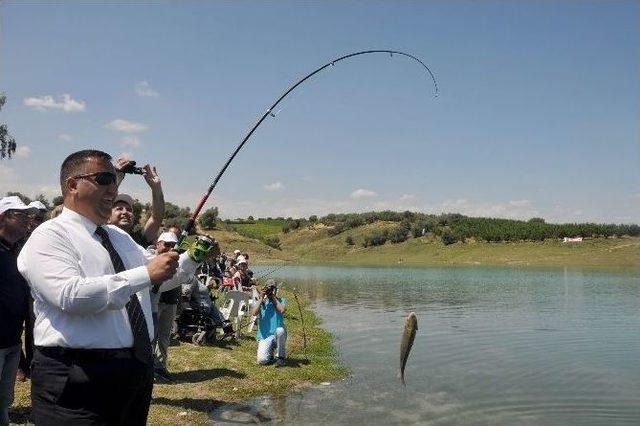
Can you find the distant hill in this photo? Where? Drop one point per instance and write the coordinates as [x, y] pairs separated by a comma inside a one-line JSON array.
[[391, 238]]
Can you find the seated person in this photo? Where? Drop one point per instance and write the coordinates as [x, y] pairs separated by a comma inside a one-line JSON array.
[[200, 300], [241, 279], [227, 279], [271, 336]]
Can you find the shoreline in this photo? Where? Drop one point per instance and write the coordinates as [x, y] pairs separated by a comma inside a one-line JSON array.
[[207, 377]]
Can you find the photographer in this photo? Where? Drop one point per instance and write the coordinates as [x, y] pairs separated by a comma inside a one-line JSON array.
[[271, 335], [122, 212]]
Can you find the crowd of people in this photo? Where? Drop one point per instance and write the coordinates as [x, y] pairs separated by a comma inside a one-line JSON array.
[[98, 298]]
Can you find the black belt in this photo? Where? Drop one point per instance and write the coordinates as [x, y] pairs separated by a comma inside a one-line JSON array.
[[78, 353]]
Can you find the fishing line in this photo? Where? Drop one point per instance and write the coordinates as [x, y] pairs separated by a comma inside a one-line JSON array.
[[271, 112]]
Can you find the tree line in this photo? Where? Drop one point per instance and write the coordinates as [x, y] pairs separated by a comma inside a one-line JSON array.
[[454, 227], [449, 227]]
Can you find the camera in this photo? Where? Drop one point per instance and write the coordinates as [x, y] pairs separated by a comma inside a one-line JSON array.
[[131, 168], [270, 290]]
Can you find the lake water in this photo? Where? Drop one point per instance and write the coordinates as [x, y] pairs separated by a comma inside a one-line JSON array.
[[495, 346]]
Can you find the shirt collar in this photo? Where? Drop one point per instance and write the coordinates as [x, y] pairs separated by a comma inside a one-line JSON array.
[[76, 217]]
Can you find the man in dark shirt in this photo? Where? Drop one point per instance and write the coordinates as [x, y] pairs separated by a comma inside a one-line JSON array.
[[14, 296]]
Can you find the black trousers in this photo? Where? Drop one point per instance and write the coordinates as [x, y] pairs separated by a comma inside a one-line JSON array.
[[90, 387], [27, 355]]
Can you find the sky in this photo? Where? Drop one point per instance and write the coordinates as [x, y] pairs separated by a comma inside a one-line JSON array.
[[537, 113]]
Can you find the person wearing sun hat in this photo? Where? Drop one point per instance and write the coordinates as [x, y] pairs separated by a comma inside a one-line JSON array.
[[37, 215], [163, 307], [14, 296]]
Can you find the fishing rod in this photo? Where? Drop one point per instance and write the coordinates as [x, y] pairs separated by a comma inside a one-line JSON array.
[[192, 218], [304, 332]]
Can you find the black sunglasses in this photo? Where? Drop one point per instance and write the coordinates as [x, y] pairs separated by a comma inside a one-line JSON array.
[[101, 178], [17, 213]]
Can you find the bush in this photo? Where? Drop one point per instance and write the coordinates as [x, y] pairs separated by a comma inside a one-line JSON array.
[[349, 240], [272, 242], [398, 234], [375, 239], [449, 237]]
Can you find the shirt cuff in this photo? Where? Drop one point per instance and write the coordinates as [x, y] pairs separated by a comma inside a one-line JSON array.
[[138, 278], [187, 264]]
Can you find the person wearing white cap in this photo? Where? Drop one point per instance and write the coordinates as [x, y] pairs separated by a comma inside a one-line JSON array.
[[37, 215], [164, 306], [14, 296], [122, 211], [241, 278]]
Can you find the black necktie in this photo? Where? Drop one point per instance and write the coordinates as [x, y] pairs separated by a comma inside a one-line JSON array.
[[141, 342]]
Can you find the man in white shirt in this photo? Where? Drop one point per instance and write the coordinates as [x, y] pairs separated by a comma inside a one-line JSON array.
[[90, 283]]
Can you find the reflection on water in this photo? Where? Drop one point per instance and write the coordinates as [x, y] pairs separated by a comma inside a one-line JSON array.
[[494, 346]]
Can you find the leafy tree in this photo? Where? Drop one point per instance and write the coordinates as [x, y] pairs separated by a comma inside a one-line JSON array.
[[175, 215], [7, 142], [208, 218]]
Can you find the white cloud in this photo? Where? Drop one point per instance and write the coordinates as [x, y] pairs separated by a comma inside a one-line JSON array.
[[125, 155], [45, 103], [126, 126], [143, 88], [65, 137], [132, 141], [23, 151], [362, 193], [275, 186], [407, 197], [520, 203], [10, 180]]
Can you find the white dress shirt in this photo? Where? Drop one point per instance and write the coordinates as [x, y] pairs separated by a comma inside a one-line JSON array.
[[79, 300]]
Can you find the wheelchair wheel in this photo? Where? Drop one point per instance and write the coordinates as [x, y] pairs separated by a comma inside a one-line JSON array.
[[199, 338]]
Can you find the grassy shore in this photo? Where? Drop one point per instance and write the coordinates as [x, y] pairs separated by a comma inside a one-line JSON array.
[[210, 376]]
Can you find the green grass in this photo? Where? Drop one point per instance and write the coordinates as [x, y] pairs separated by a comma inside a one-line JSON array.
[[213, 375], [315, 246], [261, 229]]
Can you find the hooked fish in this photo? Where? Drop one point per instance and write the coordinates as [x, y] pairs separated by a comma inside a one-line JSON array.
[[408, 334]]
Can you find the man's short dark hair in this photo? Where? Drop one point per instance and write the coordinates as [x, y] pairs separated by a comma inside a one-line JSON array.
[[72, 165]]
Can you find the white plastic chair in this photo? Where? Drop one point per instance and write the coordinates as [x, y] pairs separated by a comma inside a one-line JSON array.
[[235, 307]]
